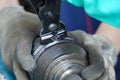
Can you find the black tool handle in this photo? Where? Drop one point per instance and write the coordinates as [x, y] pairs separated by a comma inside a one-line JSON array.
[[48, 12]]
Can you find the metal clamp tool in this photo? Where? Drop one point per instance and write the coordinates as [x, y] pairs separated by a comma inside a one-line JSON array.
[[49, 12]]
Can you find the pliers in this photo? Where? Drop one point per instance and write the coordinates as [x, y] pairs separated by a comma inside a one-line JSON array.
[[48, 12]]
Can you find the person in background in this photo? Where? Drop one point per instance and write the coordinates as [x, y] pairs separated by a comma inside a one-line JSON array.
[[19, 28]]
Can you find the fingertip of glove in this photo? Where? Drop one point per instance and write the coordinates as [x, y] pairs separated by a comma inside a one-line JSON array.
[[30, 66], [27, 63], [91, 73]]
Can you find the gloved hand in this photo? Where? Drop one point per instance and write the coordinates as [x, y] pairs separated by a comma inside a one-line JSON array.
[[101, 56], [17, 31]]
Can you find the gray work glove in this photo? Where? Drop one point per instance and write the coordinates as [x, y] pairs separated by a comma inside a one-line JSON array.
[[17, 31], [101, 56]]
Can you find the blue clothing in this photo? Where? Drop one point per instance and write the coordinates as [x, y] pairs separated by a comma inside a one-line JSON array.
[[76, 18], [4, 72], [107, 11]]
